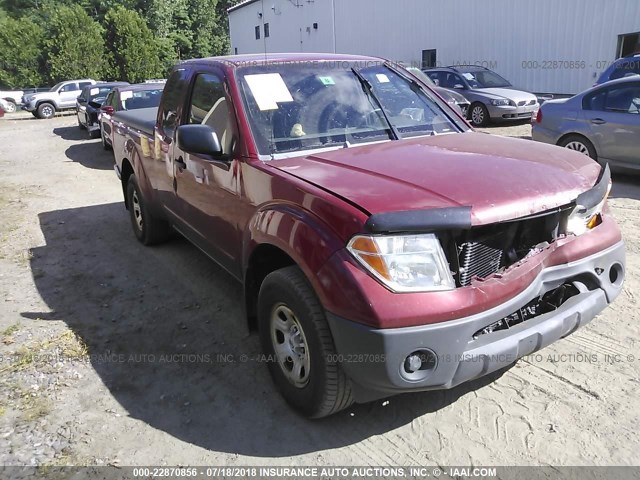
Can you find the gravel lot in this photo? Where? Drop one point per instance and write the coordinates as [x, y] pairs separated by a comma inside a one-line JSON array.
[[113, 353]]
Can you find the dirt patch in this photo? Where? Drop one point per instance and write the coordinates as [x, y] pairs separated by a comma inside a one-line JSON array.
[[114, 353]]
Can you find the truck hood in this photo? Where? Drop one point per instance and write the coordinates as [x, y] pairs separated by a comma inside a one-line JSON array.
[[500, 178]]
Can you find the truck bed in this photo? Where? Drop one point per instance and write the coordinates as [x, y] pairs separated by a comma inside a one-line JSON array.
[[143, 119]]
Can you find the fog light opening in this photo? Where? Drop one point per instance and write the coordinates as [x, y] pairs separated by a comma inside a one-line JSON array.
[[419, 363], [616, 274]]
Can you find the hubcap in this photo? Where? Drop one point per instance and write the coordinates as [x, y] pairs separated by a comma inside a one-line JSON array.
[[47, 111], [290, 345], [477, 115], [578, 147], [11, 107], [137, 210]]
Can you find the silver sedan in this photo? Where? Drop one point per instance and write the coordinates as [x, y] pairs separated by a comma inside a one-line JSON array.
[[603, 122]]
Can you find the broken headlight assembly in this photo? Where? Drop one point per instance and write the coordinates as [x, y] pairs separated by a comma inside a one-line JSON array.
[[404, 263], [589, 205]]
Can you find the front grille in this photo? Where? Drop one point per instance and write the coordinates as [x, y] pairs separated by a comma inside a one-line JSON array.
[[478, 260]]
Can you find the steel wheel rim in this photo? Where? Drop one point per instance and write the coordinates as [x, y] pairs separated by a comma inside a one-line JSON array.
[[477, 115], [137, 209], [290, 345], [11, 107], [47, 111], [578, 147]]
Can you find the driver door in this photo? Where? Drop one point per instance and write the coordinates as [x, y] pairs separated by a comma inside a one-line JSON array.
[[206, 188], [68, 94]]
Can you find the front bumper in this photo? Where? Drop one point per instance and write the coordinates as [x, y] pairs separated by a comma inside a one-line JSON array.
[[29, 107], [509, 112], [374, 359]]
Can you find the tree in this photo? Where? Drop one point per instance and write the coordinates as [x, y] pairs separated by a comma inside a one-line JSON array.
[[74, 47], [20, 48], [133, 50]]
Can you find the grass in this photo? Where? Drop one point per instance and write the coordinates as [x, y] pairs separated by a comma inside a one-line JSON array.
[[11, 330]]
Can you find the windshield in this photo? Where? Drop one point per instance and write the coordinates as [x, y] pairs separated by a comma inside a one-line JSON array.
[[56, 87], [485, 79], [423, 77], [296, 107], [97, 94], [140, 99]]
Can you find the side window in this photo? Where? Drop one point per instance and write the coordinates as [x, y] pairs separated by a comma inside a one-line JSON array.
[[436, 77], [69, 87], [209, 106], [454, 79], [623, 99], [595, 101], [171, 102], [84, 84], [109, 99]]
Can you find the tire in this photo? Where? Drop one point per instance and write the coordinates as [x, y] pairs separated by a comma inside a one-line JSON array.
[[580, 144], [11, 106], [148, 229], [46, 110], [80, 125], [105, 145], [289, 311], [478, 115]]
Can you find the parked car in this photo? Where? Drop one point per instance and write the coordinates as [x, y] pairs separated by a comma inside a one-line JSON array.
[[12, 98], [623, 67], [603, 123], [129, 97], [452, 97], [383, 246], [60, 97], [89, 102], [491, 96], [3, 107]]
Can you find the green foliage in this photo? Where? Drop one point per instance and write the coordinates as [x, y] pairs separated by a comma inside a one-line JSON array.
[[20, 42], [73, 45], [133, 50], [45, 41]]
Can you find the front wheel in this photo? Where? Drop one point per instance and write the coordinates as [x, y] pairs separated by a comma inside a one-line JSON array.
[[479, 115], [46, 110], [148, 229], [297, 341]]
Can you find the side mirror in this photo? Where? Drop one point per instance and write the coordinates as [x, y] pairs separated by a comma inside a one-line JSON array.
[[108, 109], [198, 139]]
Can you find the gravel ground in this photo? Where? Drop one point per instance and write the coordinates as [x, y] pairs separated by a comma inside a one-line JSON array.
[[113, 353]]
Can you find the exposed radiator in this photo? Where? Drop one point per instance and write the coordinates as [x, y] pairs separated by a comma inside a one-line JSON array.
[[478, 260]]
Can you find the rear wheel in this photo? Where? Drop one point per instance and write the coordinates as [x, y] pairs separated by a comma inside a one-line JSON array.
[[105, 145], [11, 106], [479, 115], [148, 229], [579, 144], [46, 110], [296, 338]]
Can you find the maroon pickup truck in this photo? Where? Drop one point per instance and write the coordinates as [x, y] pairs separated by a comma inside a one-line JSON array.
[[383, 245]]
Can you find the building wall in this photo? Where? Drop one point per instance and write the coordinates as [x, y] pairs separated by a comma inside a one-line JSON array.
[[557, 46]]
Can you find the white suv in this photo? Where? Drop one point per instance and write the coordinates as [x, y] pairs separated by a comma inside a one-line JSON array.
[[60, 97]]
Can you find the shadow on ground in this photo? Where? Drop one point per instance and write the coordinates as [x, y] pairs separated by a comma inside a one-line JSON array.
[[166, 334], [90, 153], [626, 186]]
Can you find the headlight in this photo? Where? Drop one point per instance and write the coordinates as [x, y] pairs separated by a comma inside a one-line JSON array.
[[582, 219], [500, 102], [404, 263]]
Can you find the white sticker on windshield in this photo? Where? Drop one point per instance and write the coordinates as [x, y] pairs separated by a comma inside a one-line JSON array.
[[127, 94], [382, 78], [468, 76], [94, 91], [268, 89]]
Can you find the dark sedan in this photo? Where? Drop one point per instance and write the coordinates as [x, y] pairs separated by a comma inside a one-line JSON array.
[[89, 102], [128, 97]]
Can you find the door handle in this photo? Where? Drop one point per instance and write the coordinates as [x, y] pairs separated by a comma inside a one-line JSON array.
[[598, 121], [180, 162]]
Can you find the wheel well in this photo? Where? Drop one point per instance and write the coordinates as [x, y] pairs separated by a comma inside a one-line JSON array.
[[574, 134], [264, 260], [46, 101], [126, 172]]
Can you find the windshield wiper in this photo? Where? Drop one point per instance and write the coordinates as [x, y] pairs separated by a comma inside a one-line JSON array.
[[368, 89]]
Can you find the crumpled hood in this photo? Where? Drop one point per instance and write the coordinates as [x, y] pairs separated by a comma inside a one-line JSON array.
[[500, 178]]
